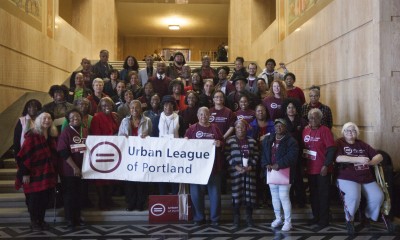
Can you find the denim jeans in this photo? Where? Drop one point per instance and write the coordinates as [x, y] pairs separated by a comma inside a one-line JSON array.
[[280, 197], [214, 192]]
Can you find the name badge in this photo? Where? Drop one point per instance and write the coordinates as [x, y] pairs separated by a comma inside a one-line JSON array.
[[308, 154], [360, 167], [80, 147]]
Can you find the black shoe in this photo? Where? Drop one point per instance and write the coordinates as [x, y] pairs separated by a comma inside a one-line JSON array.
[[80, 223], [35, 227], [130, 209], [70, 225], [44, 225], [319, 227], [350, 228], [312, 221], [199, 223], [214, 224]]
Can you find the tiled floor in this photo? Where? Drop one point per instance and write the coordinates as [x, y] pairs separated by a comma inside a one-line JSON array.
[[129, 230]]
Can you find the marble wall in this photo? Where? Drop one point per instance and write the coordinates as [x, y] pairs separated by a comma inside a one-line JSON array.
[[350, 49]]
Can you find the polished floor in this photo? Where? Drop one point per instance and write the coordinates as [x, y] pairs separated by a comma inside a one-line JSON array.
[[142, 230]]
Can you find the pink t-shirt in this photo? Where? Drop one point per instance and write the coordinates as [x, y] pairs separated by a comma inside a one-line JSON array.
[[316, 142]]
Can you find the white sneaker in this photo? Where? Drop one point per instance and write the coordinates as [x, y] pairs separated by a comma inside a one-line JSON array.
[[276, 223], [287, 226]]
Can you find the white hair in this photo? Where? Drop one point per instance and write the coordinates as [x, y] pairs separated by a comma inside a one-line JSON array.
[[53, 132], [350, 124]]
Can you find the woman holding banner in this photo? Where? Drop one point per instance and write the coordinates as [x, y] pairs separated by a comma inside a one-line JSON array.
[[206, 130], [242, 155], [135, 125], [105, 123], [71, 147], [168, 125]]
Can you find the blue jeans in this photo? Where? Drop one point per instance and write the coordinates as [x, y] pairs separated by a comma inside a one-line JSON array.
[[214, 193], [280, 197]]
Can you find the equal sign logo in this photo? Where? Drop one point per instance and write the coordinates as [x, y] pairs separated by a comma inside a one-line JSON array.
[[157, 209], [108, 157], [105, 157]]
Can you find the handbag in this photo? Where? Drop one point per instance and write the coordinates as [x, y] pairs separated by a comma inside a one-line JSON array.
[[183, 198], [380, 179], [280, 177]]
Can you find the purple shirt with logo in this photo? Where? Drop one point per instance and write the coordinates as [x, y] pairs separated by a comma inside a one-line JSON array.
[[359, 173]]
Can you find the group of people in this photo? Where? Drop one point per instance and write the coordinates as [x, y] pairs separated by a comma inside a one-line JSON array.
[[265, 133]]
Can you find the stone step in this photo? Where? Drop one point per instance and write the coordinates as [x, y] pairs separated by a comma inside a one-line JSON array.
[[12, 200], [10, 163], [7, 173], [21, 214], [8, 186]]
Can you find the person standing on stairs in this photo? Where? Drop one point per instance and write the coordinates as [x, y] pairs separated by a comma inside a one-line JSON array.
[[242, 155], [36, 173]]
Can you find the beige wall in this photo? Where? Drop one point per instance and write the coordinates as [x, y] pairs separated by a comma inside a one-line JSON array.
[[34, 57], [351, 50], [140, 46]]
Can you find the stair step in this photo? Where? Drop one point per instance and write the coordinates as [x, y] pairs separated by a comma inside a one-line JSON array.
[[21, 214], [8, 186], [7, 173], [10, 163]]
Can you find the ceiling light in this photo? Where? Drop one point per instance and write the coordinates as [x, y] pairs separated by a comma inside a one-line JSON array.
[[173, 27]]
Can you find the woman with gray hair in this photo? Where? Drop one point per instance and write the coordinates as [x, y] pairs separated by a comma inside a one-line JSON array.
[[135, 125], [319, 153], [355, 159], [314, 94]]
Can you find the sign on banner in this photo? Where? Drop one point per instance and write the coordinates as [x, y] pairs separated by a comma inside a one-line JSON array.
[[148, 159]]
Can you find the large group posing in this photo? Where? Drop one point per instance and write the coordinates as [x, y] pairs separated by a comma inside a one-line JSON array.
[[267, 138]]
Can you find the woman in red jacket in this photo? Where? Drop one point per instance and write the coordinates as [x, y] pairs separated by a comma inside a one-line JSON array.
[[36, 168]]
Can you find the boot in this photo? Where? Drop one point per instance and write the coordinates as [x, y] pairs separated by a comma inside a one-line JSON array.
[[35, 226], [236, 218], [249, 217]]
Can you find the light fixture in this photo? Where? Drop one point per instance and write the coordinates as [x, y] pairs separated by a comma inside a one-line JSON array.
[[173, 27]]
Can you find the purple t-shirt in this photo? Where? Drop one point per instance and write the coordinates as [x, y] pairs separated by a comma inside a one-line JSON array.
[[359, 173], [223, 118], [274, 107], [248, 115], [69, 141]]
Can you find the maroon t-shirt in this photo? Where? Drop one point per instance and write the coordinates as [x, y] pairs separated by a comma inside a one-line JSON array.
[[248, 115], [296, 93], [274, 149], [68, 141], [196, 131], [317, 141], [359, 173], [223, 118], [274, 107]]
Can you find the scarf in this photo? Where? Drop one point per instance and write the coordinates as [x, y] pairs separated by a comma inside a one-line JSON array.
[[169, 125]]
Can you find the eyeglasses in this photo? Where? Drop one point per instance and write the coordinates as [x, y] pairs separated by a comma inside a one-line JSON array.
[[350, 131]]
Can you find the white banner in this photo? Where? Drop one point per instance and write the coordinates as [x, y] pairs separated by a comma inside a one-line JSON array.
[[148, 159]]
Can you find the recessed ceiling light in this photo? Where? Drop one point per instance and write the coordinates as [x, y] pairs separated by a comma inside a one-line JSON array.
[[173, 27]]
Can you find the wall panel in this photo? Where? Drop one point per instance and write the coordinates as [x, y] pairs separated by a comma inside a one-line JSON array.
[[140, 46]]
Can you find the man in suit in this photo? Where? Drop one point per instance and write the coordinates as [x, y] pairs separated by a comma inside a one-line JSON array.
[[160, 81], [149, 71]]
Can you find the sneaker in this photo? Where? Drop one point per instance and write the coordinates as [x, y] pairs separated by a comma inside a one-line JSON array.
[[276, 223], [287, 226], [350, 228]]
